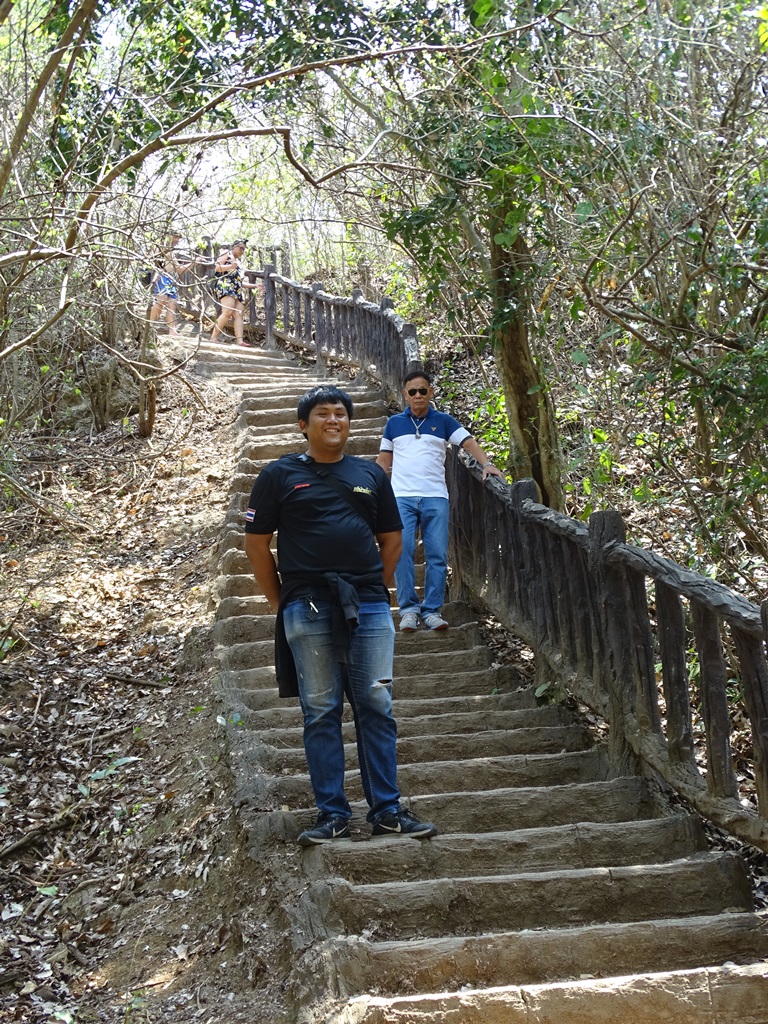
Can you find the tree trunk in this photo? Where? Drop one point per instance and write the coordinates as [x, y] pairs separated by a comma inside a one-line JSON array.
[[534, 448]]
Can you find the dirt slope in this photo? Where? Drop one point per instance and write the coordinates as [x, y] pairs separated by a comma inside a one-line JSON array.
[[126, 890]]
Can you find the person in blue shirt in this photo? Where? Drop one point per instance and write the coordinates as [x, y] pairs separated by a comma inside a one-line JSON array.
[[413, 450]]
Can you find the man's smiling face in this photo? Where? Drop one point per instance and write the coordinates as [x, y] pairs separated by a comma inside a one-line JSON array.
[[326, 430]]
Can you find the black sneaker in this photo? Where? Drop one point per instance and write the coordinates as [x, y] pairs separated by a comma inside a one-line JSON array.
[[327, 827], [403, 823]]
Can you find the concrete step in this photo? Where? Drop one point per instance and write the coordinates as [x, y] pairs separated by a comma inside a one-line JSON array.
[[584, 845], [274, 434], [264, 399], [256, 688], [247, 364], [361, 441], [503, 810], [639, 972], [284, 417], [262, 652], [288, 713], [269, 786], [429, 727], [432, 753], [709, 883]]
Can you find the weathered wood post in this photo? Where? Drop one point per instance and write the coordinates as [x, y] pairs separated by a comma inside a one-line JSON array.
[[713, 675], [286, 309], [606, 528], [320, 338], [270, 306], [754, 674], [251, 275], [411, 345], [674, 671], [529, 572]]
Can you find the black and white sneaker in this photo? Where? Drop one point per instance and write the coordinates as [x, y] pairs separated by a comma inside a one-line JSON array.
[[403, 823], [327, 827]]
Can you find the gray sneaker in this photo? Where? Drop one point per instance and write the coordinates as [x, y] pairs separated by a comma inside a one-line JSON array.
[[434, 621], [409, 622]]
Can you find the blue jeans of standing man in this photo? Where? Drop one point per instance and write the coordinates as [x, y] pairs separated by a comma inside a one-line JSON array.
[[366, 680], [430, 515]]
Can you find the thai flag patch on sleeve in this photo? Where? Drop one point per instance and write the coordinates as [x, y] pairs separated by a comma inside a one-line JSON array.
[[249, 515]]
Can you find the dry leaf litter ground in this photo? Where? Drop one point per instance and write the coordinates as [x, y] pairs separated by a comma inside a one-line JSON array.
[[127, 892]]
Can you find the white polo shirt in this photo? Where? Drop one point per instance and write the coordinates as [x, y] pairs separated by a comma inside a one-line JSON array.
[[418, 447]]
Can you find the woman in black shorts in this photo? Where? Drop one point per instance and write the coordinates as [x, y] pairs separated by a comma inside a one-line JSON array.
[[229, 286]]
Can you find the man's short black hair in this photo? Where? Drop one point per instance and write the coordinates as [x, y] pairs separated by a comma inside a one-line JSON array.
[[417, 373], [321, 395]]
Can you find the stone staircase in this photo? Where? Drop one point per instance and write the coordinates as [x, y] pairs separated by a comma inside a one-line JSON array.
[[554, 891]]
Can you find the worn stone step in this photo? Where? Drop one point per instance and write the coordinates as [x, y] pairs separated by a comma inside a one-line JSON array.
[[250, 366], [460, 746], [265, 786], [362, 440], [709, 883], [257, 689], [640, 972], [443, 684], [289, 433], [264, 396], [243, 629], [429, 727], [584, 845], [434, 758], [283, 414], [439, 659], [262, 652], [502, 810], [259, 654], [249, 602], [288, 713]]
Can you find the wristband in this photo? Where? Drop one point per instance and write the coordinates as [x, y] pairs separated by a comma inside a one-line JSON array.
[[486, 464]]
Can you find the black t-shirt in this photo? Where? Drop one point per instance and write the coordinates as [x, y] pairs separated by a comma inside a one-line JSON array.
[[317, 530]]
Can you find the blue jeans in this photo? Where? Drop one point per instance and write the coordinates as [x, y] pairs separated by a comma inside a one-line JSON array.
[[431, 516], [366, 680]]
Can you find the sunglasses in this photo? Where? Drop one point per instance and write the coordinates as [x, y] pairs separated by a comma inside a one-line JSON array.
[[418, 391]]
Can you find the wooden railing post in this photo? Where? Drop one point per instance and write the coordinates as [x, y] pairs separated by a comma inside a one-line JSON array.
[[320, 332], [270, 306], [410, 341], [605, 528], [754, 676], [673, 646], [721, 780]]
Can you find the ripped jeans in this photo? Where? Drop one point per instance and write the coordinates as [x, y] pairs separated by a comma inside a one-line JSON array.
[[367, 682]]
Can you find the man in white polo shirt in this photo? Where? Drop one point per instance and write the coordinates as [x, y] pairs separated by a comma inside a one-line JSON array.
[[413, 450]]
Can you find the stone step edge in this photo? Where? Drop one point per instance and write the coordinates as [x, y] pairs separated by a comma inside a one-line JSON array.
[[706, 995]]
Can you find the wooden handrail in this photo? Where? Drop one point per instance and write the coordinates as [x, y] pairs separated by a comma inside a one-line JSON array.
[[366, 335], [579, 595]]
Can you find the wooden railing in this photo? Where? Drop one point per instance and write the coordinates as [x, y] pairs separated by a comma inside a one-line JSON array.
[[651, 647], [347, 330], [629, 633]]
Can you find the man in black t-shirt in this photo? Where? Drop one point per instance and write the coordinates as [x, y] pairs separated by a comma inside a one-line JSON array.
[[338, 541]]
